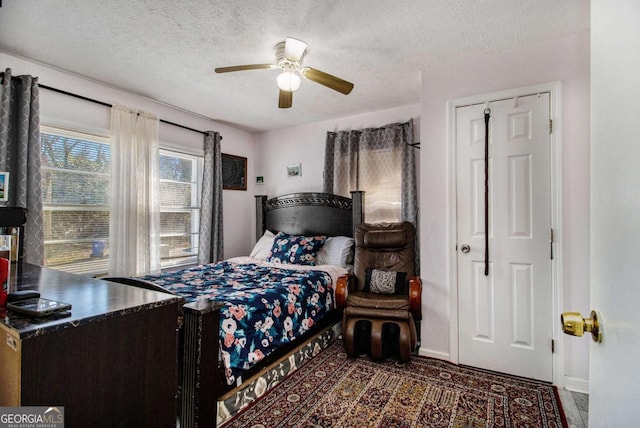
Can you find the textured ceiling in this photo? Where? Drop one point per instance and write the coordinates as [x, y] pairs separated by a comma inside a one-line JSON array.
[[167, 49]]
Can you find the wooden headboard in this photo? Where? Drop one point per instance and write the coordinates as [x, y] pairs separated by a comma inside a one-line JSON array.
[[309, 213]]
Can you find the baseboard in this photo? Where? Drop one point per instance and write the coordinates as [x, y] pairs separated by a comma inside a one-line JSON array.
[[576, 384], [434, 354]]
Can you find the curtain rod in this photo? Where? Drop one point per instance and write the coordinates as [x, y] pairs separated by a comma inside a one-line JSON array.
[[102, 103]]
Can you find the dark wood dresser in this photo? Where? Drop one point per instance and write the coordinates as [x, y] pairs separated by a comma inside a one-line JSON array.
[[111, 361]]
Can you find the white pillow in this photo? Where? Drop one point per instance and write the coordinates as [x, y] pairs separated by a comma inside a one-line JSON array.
[[335, 251], [263, 246]]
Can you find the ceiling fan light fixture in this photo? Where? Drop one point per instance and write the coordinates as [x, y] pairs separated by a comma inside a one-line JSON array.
[[288, 81]]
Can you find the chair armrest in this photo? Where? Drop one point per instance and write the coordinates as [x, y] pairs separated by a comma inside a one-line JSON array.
[[415, 297], [343, 286]]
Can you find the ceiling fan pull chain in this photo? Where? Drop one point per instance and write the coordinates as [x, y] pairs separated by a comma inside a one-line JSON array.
[[487, 115]]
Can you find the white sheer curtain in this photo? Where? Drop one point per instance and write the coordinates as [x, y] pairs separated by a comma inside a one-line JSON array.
[[134, 221]]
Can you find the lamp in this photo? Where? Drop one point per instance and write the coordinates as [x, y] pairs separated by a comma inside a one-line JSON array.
[[288, 80]]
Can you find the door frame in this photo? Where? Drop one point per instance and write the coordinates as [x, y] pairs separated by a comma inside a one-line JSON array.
[[555, 99]]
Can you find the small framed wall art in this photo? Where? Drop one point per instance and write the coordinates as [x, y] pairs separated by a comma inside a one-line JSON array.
[[294, 170], [234, 172], [4, 186]]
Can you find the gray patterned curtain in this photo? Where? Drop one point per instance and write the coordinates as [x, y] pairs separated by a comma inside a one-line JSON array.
[[20, 155], [375, 160], [211, 248]]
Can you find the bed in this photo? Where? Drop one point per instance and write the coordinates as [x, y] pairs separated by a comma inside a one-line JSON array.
[[245, 313], [266, 305]]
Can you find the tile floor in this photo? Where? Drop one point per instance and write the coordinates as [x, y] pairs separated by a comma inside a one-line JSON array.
[[576, 408]]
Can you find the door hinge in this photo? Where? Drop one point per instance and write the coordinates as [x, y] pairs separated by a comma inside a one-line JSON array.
[[550, 126], [551, 242], [553, 346]]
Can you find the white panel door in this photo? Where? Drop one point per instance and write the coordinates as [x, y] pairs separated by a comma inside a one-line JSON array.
[[505, 318]]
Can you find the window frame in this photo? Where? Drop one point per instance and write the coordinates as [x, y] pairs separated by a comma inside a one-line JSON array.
[[196, 201]]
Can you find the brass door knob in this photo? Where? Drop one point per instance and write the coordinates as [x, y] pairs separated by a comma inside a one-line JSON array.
[[574, 324]]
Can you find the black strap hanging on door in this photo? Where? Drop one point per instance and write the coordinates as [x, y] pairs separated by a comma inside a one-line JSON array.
[[487, 115]]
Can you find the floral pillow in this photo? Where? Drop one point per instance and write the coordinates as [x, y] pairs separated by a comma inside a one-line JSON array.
[[294, 249]]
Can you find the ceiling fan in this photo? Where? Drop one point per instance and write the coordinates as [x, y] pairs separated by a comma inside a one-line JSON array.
[[289, 56]]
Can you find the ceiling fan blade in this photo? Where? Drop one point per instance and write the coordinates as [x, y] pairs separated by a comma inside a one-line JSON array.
[[294, 49], [326, 79], [245, 67], [286, 99]]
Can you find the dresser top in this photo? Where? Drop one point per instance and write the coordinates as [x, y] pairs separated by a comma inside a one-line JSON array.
[[91, 300]]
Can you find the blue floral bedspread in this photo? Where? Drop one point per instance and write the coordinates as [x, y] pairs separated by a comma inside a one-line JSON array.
[[265, 306]]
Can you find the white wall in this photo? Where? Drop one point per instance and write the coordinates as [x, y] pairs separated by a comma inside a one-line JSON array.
[[305, 145], [63, 110], [565, 60]]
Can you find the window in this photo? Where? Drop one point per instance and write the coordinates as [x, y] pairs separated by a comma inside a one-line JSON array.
[[376, 171], [180, 191], [75, 191], [380, 176]]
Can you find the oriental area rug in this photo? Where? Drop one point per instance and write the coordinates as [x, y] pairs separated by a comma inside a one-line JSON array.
[[333, 390]]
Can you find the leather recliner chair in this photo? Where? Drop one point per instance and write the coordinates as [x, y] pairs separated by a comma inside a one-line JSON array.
[[387, 247]]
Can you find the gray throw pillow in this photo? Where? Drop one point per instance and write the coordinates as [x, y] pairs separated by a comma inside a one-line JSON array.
[[385, 282]]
